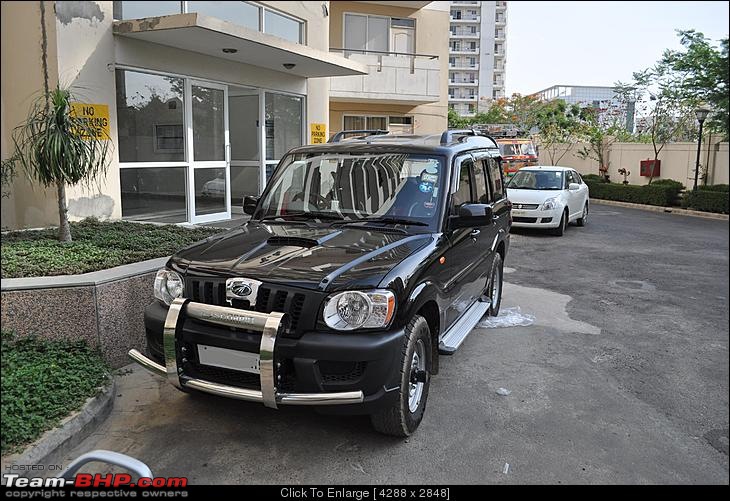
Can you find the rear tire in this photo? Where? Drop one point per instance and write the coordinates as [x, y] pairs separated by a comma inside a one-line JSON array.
[[494, 285], [583, 219], [402, 418], [560, 230]]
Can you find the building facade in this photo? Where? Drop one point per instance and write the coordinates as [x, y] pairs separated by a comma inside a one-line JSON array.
[[204, 98], [477, 55], [610, 108]]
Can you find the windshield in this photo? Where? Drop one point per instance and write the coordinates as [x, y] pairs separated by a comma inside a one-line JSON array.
[[537, 180], [330, 186], [514, 149]]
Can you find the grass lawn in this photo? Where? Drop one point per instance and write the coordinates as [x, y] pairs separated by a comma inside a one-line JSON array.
[[42, 383], [96, 246]]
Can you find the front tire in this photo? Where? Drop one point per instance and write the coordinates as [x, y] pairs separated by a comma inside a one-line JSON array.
[[583, 219], [560, 230], [402, 418]]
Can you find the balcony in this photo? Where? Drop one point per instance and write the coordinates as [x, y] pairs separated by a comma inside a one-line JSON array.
[[463, 66], [499, 36], [469, 19], [464, 83], [500, 21], [463, 99], [392, 78], [464, 34], [463, 50]]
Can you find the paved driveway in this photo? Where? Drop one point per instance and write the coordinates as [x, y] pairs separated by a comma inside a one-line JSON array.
[[623, 378]]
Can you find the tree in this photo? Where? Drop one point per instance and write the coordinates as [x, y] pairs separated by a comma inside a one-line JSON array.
[[560, 126], [705, 73], [53, 145], [599, 136], [664, 110], [56, 147]]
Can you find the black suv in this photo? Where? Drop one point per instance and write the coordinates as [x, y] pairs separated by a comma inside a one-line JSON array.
[[363, 261]]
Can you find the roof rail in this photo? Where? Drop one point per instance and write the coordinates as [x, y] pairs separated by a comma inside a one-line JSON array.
[[448, 135], [364, 132]]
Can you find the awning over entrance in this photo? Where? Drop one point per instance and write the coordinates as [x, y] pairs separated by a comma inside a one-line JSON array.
[[209, 35]]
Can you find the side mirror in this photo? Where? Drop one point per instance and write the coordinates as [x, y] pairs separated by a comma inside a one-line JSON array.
[[471, 215], [249, 204], [573, 187]]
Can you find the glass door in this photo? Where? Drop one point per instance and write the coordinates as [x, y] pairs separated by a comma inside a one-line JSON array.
[[208, 137]]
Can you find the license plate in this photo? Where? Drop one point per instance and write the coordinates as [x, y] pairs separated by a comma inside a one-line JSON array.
[[229, 359], [518, 213]]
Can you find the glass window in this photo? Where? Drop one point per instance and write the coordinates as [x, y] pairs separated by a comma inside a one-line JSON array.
[[243, 118], [150, 117], [208, 124], [244, 182], [282, 26], [283, 124], [366, 32], [210, 191], [138, 10], [496, 181], [155, 194], [462, 195], [354, 123], [240, 13], [480, 183]]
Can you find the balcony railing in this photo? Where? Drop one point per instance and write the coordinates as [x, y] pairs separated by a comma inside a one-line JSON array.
[[396, 77], [464, 82], [463, 66], [465, 19], [464, 50], [463, 34]]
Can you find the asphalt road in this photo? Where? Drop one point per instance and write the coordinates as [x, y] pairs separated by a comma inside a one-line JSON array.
[[623, 378]]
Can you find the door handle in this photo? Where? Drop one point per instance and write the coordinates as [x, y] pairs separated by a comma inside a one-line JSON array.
[[475, 232]]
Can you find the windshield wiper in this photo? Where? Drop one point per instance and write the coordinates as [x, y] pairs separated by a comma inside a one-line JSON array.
[[307, 215], [390, 220]]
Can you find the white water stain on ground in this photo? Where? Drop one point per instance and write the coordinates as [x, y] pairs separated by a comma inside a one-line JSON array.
[[547, 307]]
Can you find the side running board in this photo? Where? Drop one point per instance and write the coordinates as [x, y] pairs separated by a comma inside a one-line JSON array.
[[456, 335]]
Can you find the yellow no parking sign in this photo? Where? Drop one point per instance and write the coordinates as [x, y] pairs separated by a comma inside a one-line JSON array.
[[317, 133], [96, 116]]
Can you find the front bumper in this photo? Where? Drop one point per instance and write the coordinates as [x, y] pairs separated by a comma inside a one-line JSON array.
[[174, 355], [523, 218]]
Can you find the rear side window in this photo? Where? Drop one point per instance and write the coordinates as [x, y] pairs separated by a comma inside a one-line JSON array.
[[480, 182], [495, 179]]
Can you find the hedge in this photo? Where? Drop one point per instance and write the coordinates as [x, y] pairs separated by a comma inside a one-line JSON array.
[[706, 200], [722, 188], [662, 194]]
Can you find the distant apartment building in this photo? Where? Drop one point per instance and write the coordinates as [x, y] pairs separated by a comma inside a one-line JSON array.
[[477, 61], [604, 99]]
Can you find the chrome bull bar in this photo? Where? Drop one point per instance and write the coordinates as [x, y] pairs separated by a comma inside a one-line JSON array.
[[269, 324]]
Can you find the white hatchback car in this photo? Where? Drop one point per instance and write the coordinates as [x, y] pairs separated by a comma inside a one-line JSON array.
[[548, 197]]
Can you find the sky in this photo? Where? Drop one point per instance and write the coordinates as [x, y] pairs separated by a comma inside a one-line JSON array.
[[597, 43]]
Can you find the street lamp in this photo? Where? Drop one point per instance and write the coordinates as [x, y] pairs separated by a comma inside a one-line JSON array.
[[701, 113]]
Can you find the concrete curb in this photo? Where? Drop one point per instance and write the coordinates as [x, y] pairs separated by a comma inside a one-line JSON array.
[[54, 444], [668, 210]]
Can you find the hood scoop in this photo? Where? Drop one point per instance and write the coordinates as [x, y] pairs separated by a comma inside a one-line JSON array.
[[279, 241]]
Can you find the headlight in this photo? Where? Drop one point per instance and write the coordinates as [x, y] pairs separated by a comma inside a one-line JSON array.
[[168, 285], [351, 310], [549, 204]]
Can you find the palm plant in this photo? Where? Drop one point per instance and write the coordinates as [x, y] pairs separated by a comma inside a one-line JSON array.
[[54, 146]]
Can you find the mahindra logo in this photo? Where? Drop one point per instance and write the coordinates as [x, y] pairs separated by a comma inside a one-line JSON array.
[[242, 288]]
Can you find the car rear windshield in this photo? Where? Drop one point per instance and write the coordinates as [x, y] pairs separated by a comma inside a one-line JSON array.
[[537, 180], [353, 187]]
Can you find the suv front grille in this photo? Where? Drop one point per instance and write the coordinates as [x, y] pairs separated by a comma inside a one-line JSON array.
[[302, 306]]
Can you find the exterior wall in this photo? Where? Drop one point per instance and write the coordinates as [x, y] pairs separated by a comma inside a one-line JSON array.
[[29, 205], [677, 161], [83, 53], [431, 38]]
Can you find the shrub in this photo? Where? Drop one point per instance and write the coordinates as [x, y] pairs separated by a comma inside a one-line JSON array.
[[706, 200], [662, 194], [42, 383], [593, 178], [722, 188]]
